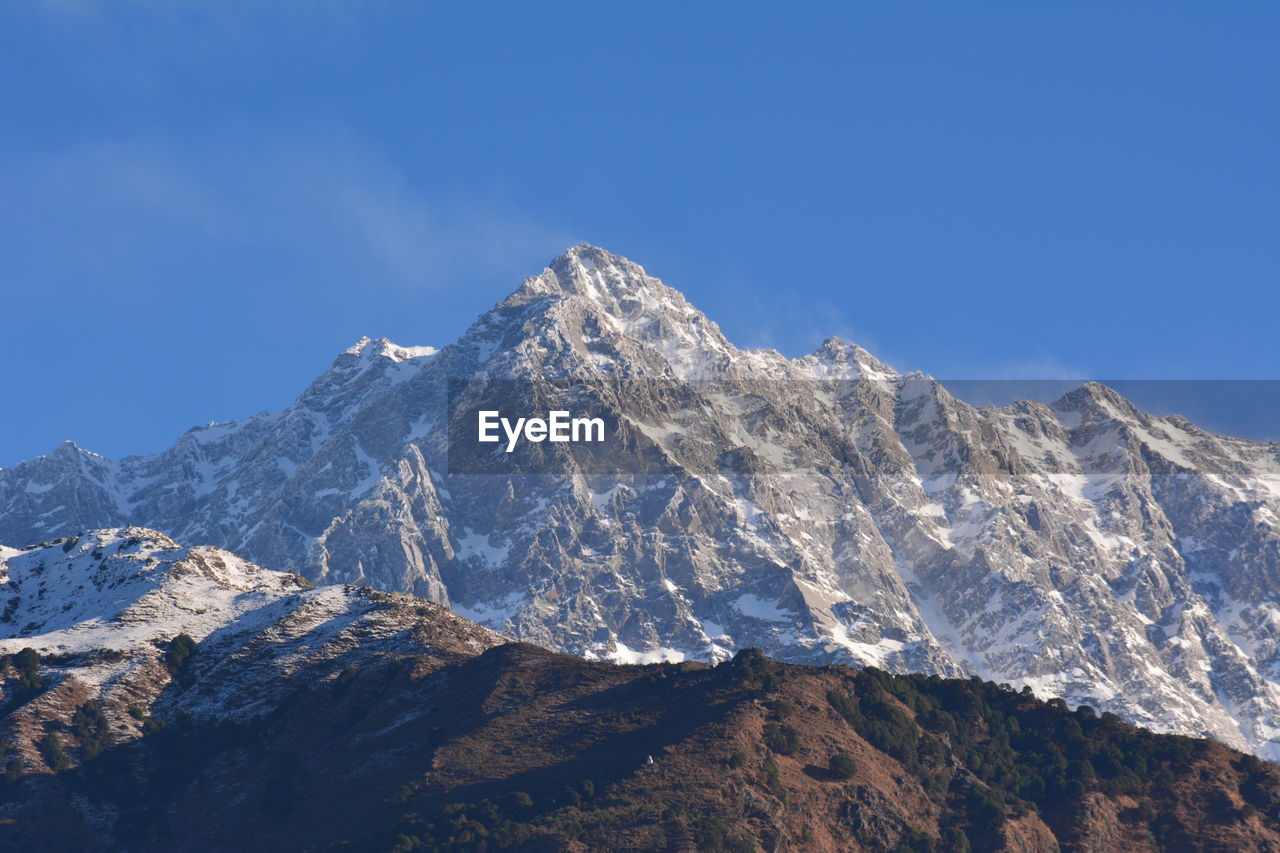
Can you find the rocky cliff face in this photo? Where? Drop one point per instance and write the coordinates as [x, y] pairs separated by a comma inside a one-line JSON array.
[[824, 509]]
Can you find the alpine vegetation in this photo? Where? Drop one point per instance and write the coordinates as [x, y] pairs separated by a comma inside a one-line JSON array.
[[188, 700]]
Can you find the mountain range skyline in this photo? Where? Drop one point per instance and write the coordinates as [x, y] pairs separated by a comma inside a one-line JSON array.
[[967, 199], [968, 616], [825, 508], [1246, 408]]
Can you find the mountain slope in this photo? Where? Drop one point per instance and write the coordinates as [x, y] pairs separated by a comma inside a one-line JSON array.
[[824, 509], [108, 612], [521, 749]]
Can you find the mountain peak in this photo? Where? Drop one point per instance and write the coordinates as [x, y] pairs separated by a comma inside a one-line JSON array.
[[87, 591], [368, 349], [838, 358], [592, 272], [589, 294], [364, 368], [69, 451], [1095, 400], [590, 257]]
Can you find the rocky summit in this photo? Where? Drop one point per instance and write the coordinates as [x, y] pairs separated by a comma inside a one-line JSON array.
[[825, 509]]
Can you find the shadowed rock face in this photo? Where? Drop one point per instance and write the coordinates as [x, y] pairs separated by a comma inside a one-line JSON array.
[[824, 509]]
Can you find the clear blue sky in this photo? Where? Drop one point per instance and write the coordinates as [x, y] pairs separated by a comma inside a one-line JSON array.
[[201, 204]]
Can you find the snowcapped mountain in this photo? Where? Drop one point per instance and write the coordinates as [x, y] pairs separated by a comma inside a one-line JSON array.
[[102, 608], [824, 508]]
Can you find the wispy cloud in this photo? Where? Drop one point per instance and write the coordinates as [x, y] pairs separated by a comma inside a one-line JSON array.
[[1038, 366], [136, 45], [324, 195], [797, 326]]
